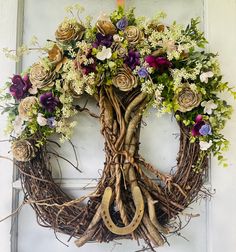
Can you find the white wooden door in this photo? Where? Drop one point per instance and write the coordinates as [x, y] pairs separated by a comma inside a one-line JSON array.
[[159, 143]]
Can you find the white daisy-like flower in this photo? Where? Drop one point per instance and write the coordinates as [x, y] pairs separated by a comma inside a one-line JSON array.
[[205, 145], [104, 54], [18, 125], [208, 106], [41, 120], [205, 76]]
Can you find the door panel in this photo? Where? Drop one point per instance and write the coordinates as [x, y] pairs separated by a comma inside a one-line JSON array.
[[159, 136]]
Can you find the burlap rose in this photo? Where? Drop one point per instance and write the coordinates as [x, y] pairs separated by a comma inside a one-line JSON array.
[[133, 35], [55, 54], [125, 80], [105, 26], [68, 31], [25, 107], [23, 150], [41, 77], [187, 98]]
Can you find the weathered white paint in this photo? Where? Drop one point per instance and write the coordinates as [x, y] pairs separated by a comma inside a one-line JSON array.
[[222, 38], [220, 22], [8, 15]]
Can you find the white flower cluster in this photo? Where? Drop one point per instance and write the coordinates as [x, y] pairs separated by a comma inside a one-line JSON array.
[[185, 74], [65, 128], [148, 87]]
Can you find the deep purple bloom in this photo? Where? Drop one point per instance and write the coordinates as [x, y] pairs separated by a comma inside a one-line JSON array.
[[122, 23], [159, 63], [142, 72], [49, 102], [51, 122], [20, 86], [205, 130], [132, 59], [200, 128], [103, 40], [86, 69]]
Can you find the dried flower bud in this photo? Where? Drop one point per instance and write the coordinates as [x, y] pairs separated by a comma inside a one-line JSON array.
[[55, 54], [125, 80], [23, 150]]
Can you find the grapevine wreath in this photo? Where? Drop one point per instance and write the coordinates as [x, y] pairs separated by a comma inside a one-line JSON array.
[[127, 65]]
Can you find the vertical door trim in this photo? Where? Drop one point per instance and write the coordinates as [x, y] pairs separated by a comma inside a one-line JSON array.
[[15, 176]]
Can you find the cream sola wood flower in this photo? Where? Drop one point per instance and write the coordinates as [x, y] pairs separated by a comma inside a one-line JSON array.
[[105, 26], [41, 76], [125, 80], [187, 98], [133, 35], [69, 30], [23, 150], [25, 107]]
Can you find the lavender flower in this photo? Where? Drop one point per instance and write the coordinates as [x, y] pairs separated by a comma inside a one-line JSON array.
[[20, 86], [200, 127], [122, 23], [103, 40], [51, 122], [132, 59], [205, 130], [49, 102], [142, 72]]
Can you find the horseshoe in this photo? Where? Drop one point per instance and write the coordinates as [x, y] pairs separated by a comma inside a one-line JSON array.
[[105, 213]]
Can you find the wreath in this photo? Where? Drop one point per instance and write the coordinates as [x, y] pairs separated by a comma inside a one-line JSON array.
[[127, 65]]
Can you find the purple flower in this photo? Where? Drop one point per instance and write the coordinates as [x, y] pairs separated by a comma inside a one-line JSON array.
[[86, 69], [51, 122], [200, 127], [205, 130], [49, 102], [122, 23], [20, 86], [132, 59], [159, 63], [142, 72], [103, 40]]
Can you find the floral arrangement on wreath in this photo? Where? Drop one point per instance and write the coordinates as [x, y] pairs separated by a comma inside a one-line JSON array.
[[128, 65]]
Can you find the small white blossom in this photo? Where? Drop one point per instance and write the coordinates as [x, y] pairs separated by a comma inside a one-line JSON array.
[[205, 76], [208, 106], [33, 90], [18, 125], [41, 120], [117, 38], [205, 145], [104, 54]]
